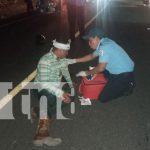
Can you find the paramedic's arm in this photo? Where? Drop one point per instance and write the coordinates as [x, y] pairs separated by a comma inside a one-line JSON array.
[[99, 68], [86, 58]]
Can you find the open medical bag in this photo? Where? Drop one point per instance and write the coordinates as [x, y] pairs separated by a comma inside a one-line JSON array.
[[91, 88]]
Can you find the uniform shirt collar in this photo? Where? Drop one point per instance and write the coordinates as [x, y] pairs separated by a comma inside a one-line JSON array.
[[100, 43]]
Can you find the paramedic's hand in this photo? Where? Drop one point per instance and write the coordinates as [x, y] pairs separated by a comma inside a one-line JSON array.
[[66, 97], [81, 74]]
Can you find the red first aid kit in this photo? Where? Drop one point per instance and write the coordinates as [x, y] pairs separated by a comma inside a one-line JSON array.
[[92, 88]]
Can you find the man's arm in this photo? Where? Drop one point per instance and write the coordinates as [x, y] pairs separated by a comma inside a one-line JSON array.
[[66, 74], [86, 58], [99, 68]]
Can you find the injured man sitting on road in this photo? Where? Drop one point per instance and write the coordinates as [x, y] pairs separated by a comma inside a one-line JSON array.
[[50, 70]]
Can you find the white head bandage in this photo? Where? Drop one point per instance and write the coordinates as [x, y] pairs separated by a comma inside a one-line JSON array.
[[61, 45]]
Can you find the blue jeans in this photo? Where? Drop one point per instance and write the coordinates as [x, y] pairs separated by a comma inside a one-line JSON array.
[[51, 101]]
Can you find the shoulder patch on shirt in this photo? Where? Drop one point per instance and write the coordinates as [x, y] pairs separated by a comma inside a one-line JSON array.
[[101, 52]]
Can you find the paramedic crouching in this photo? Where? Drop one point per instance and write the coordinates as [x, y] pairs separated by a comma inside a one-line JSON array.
[[114, 62]]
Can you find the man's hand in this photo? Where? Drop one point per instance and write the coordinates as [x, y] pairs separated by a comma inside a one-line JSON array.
[[66, 97], [81, 74]]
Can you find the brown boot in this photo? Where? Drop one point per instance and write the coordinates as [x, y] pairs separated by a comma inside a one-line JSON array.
[[42, 129], [42, 135]]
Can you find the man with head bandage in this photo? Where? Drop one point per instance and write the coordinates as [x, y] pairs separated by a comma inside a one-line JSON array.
[[50, 70]]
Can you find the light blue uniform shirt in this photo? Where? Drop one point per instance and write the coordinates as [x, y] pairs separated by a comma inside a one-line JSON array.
[[115, 56]]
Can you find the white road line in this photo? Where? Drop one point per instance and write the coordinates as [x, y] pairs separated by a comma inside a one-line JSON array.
[[17, 89], [31, 76]]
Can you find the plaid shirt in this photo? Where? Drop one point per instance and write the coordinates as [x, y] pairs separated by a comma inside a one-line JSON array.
[[50, 70]]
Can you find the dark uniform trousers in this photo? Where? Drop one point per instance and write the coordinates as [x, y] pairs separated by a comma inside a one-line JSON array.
[[117, 86]]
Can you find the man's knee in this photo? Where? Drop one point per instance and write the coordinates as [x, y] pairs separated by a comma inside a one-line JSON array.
[[107, 96]]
